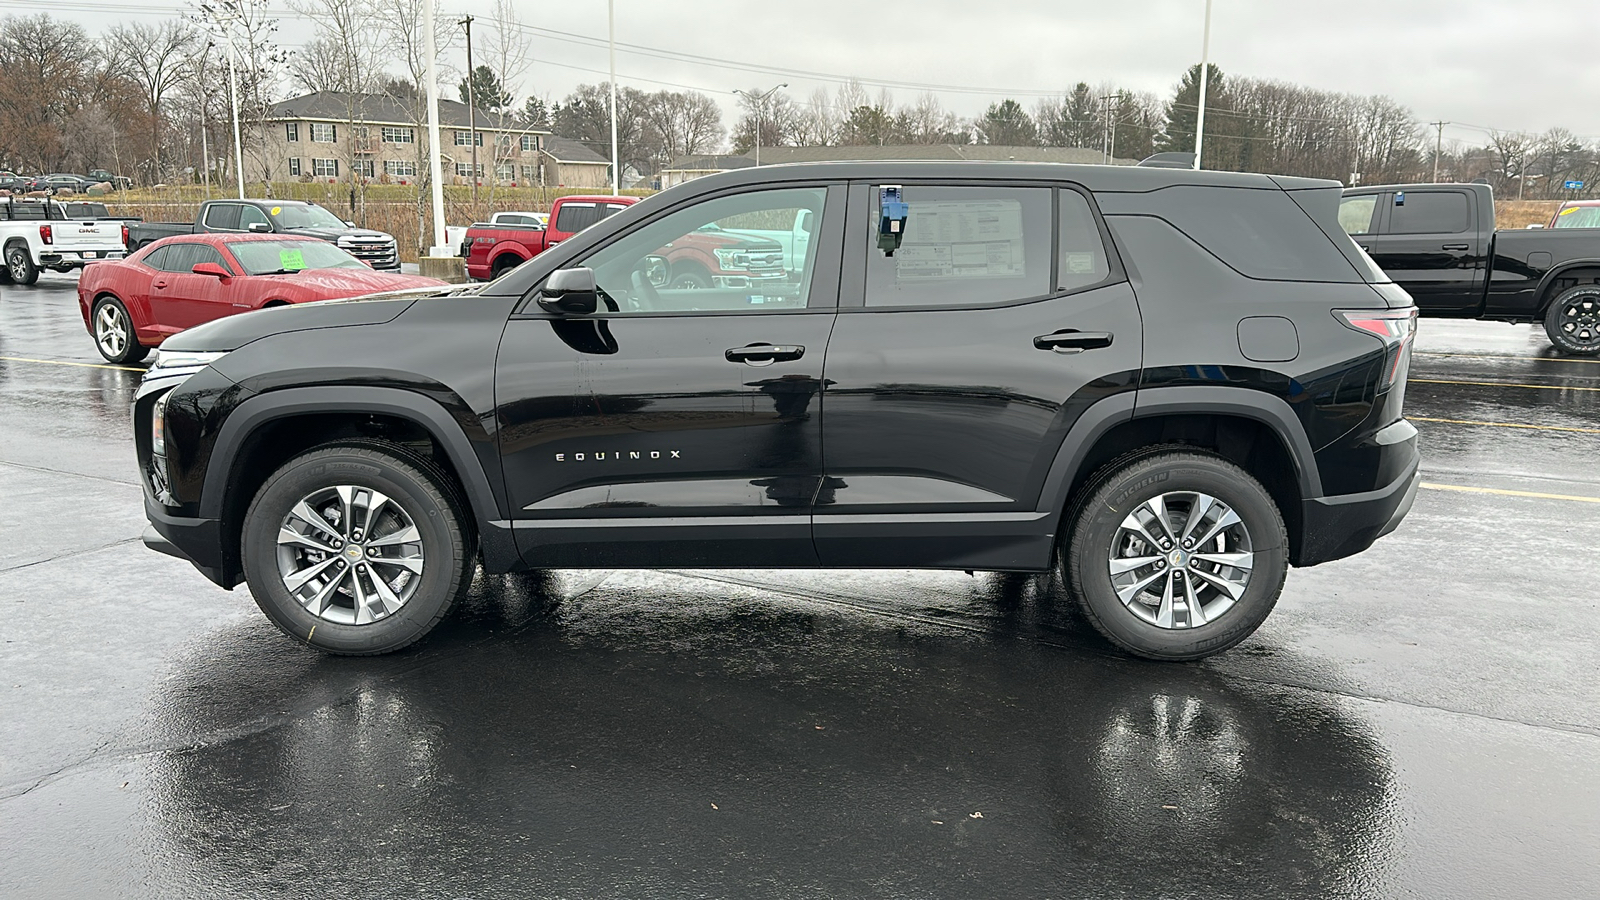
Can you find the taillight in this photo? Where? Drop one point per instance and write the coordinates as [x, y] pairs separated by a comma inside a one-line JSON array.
[[1396, 327], [124, 236], [47, 234]]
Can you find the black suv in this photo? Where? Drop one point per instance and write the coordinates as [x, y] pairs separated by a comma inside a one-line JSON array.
[[1171, 384]]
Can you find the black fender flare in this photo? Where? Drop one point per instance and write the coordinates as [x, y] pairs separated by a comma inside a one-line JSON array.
[[426, 413], [1106, 414], [1544, 292]]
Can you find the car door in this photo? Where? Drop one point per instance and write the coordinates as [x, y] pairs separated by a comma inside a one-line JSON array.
[[181, 299], [673, 426], [1425, 241], [957, 367]]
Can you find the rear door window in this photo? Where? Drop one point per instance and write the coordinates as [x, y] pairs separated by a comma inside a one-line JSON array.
[[1430, 212], [964, 246], [223, 216], [575, 217], [1355, 213]]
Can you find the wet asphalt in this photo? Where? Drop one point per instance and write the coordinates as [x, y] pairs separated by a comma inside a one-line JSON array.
[[1417, 721]]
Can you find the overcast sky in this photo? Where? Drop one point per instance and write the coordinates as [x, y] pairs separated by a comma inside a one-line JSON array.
[[1527, 65]]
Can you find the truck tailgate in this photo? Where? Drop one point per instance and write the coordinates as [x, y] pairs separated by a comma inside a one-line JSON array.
[[84, 235]]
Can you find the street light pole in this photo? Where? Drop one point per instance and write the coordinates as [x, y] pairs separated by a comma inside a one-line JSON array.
[[611, 32], [760, 101], [1205, 78], [435, 150], [233, 96]]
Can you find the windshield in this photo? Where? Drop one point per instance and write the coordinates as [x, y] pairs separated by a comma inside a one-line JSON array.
[[282, 257], [1579, 217], [306, 216]]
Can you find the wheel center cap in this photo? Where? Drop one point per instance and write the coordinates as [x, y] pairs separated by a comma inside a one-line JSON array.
[[353, 553], [1176, 558]]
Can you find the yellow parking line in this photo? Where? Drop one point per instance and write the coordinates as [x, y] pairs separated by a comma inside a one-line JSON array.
[[1508, 425], [1537, 387], [1562, 359], [1504, 493], [63, 362]]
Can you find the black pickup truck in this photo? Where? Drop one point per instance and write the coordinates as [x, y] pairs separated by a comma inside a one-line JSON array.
[[297, 217], [1438, 241]]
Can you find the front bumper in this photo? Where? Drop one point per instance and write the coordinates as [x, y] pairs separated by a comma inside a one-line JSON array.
[[197, 540], [1336, 527]]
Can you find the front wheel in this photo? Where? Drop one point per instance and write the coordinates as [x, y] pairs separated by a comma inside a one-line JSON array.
[[19, 265], [1573, 320], [357, 549], [1176, 555]]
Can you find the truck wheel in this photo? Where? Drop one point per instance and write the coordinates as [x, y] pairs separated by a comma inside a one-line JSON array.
[[114, 336], [690, 278], [504, 264], [1573, 320], [357, 549], [1176, 555], [19, 265]]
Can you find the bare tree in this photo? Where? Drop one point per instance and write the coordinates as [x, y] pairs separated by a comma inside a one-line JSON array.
[[154, 57], [680, 124], [817, 123], [349, 43], [247, 29]]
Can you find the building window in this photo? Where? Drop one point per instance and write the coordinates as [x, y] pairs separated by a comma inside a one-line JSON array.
[[529, 173], [464, 139], [465, 170], [530, 143], [403, 167], [505, 172], [291, 131], [325, 167], [362, 167], [294, 165], [324, 132], [392, 135]]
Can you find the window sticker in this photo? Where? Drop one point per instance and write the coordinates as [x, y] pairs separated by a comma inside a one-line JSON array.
[[293, 260], [976, 239], [276, 210], [1078, 263], [1570, 209]]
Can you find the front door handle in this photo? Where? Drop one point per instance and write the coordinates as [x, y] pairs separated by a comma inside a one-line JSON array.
[[1070, 341], [160, 284], [1455, 246], [764, 354]]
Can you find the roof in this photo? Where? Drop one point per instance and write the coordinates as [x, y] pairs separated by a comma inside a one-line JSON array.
[[569, 151], [709, 163], [381, 109], [991, 152]]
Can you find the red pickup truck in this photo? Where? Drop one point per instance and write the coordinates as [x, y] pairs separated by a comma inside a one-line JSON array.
[[710, 257], [491, 249]]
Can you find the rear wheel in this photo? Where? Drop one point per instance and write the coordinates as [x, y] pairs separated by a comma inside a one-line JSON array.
[[1176, 555], [503, 265], [114, 336], [19, 265], [1573, 320], [357, 549]]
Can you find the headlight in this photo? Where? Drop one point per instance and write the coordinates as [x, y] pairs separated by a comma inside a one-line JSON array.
[[158, 425], [732, 259], [172, 363]]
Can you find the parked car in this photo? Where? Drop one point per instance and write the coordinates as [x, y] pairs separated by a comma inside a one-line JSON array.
[[965, 373], [493, 248], [39, 233], [61, 182], [134, 305], [16, 184], [1438, 241], [106, 177], [291, 217], [1577, 214]]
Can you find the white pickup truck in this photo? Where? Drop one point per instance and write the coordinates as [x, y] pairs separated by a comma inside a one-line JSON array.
[[40, 233]]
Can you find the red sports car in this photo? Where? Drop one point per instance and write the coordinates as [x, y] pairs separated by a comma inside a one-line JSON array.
[[131, 305]]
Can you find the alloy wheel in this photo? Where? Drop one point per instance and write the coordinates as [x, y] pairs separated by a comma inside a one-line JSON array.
[[111, 331], [17, 263], [349, 555], [1181, 560], [1580, 321]]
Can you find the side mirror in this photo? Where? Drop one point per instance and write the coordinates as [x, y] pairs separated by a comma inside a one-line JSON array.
[[258, 228], [349, 223], [212, 269], [571, 292], [655, 271]]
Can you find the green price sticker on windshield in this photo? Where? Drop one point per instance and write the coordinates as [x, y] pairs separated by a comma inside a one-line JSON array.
[[292, 260]]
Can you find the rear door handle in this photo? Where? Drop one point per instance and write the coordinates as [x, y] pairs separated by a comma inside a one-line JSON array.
[[764, 354], [1456, 247], [1070, 341]]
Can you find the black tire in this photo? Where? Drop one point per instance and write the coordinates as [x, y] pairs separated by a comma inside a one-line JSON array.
[[1096, 523], [504, 264], [108, 312], [20, 266], [425, 496], [690, 278], [1573, 320]]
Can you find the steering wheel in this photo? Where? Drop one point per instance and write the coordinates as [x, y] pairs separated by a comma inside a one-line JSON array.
[[644, 296]]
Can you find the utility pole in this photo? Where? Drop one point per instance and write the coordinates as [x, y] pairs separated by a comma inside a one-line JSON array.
[[1205, 78], [205, 150], [1105, 132], [1438, 145], [760, 102], [611, 42], [472, 110]]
